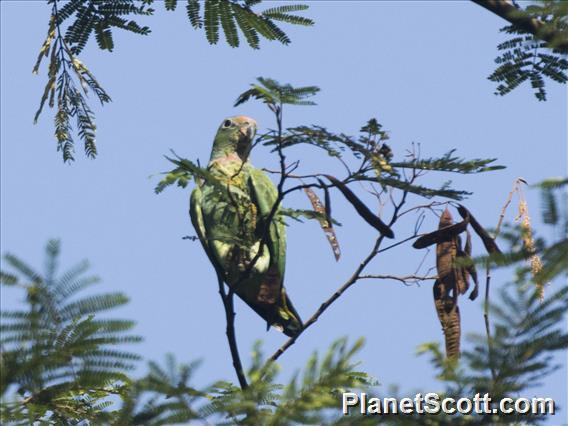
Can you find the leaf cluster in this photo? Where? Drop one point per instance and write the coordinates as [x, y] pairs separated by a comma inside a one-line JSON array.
[[66, 73], [72, 23], [274, 94], [100, 17], [554, 213], [309, 398], [526, 57], [232, 15], [63, 364], [62, 360], [164, 396]]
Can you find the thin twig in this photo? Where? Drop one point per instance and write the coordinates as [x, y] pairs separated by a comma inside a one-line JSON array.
[[398, 243], [488, 280], [429, 206], [406, 279]]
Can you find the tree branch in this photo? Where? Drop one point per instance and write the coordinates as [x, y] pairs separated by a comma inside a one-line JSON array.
[[523, 21], [323, 307], [231, 337], [352, 280]]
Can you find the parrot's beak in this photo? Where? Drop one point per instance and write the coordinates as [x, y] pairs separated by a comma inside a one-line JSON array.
[[248, 131], [246, 135]]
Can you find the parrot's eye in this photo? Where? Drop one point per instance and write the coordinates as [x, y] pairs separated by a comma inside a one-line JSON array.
[[227, 123]]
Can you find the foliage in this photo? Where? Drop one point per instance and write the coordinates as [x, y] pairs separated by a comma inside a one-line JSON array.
[[554, 202], [229, 15], [526, 334], [63, 364], [60, 360], [522, 58], [274, 94], [60, 364], [306, 399], [527, 57], [72, 23], [66, 73], [164, 396]]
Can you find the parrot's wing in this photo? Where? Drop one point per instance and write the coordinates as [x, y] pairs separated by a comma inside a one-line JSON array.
[[196, 215], [264, 194]]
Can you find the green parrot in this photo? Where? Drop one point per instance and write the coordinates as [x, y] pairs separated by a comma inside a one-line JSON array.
[[230, 220]]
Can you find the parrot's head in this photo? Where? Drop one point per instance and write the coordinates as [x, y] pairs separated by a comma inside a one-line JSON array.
[[235, 135]]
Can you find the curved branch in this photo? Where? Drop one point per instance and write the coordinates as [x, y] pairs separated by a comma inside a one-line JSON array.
[[525, 22]]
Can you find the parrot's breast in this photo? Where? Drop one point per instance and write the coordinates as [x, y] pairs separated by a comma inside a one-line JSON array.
[[232, 217]]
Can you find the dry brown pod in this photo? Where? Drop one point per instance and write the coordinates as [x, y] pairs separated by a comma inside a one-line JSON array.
[[326, 224], [445, 233], [488, 241], [449, 316], [361, 208]]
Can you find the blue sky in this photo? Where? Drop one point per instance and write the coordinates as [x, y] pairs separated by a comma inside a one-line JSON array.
[[419, 67]]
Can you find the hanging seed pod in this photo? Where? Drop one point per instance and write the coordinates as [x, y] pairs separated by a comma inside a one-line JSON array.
[[488, 241], [449, 316], [446, 233], [461, 273], [470, 268], [327, 200], [447, 286], [326, 223], [361, 208]]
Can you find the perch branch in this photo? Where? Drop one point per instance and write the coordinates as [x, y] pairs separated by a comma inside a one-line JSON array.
[[228, 304]]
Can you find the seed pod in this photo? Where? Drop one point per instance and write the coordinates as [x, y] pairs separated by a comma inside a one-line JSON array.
[[361, 208], [471, 268], [449, 316], [326, 223], [488, 241], [449, 283], [446, 233]]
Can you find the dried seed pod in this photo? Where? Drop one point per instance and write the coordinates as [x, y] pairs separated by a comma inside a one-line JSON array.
[[443, 233], [488, 241], [470, 268], [361, 208], [461, 273], [449, 316], [449, 283], [326, 224]]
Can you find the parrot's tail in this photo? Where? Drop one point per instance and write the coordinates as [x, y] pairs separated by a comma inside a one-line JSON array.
[[287, 319]]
